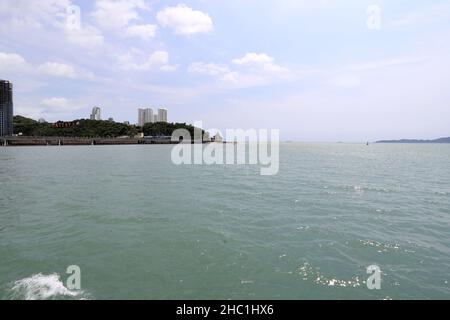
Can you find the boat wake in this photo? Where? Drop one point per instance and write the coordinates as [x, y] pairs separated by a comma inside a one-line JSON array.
[[43, 287]]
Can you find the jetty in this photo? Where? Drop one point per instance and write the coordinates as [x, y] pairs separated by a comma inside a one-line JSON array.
[[64, 141]]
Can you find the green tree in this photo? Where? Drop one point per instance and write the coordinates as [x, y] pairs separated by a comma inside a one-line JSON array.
[[159, 129], [82, 128]]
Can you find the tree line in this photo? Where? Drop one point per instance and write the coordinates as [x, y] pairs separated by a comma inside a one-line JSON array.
[[84, 128]]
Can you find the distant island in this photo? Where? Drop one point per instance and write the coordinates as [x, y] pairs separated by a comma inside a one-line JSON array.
[[440, 140]]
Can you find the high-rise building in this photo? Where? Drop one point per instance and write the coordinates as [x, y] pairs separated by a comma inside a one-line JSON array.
[[141, 117], [6, 108], [155, 118], [145, 116], [149, 116], [96, 113], [162, 115]]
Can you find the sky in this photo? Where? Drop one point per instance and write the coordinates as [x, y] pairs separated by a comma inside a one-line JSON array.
[[323, 70]]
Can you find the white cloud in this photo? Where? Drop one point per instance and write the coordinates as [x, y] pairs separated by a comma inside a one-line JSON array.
[[55, 108], [223, 72], [58, 70], [23, 13], [184, 20], [168, 68], [87, 36], [254, 59], [57, 105], [260, 61], [210, 69], [258, 69], [51, 109], [144, 31], [158, 60], [12, 62], [249, 71], [231, 78], [117, 13], [45, 21]]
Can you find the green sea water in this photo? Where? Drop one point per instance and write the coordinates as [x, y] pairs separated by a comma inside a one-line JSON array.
[[140, 227]]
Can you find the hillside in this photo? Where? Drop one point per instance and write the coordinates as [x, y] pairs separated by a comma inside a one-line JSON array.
[[440, 140], [83, 128], [78, 128]]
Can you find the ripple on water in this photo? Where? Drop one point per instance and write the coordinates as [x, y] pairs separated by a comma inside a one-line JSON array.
[[385, 246], [309, 273], [360, 188]]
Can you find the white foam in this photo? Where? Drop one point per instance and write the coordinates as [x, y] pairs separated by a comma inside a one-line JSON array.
[[42, 287]]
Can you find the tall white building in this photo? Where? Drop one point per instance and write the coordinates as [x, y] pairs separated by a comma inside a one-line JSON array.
[[149, 116], [141, 117], [145, 116], [162, 115], [96, 113]]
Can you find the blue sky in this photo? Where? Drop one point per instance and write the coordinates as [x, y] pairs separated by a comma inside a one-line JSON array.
[[313, 69]]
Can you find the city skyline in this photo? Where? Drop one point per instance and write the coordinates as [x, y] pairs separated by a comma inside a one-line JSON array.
[[7, 112], [318, 71]]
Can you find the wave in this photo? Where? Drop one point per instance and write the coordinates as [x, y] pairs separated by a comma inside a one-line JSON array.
[[43, 287]]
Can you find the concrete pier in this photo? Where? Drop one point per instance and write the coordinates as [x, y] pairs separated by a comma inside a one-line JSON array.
[[51, 141]]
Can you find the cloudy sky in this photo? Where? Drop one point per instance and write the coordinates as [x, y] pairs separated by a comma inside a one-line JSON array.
[[319, 70]]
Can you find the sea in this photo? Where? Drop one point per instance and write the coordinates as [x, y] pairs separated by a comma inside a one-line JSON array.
[[137, 226]]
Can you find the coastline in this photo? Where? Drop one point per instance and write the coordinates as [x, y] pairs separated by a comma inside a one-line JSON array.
[[50, 141], [61, 141]]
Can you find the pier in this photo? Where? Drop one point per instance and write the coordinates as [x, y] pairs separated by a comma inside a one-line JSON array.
[[60, 141]]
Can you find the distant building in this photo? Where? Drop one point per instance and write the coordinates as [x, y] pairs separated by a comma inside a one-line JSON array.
[[127, 123], [145, 116], [111, 119], [6, 108], [96, 113], [155, 118], [149, 116], [42, 120], [162, 115], [217, 138], [141, 117]]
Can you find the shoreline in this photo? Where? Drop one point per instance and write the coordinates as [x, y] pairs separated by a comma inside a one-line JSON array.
[[31, 141], [52, 141], [65, 141]]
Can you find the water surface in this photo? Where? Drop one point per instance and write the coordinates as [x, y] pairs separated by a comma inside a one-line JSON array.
[[140, 227]]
